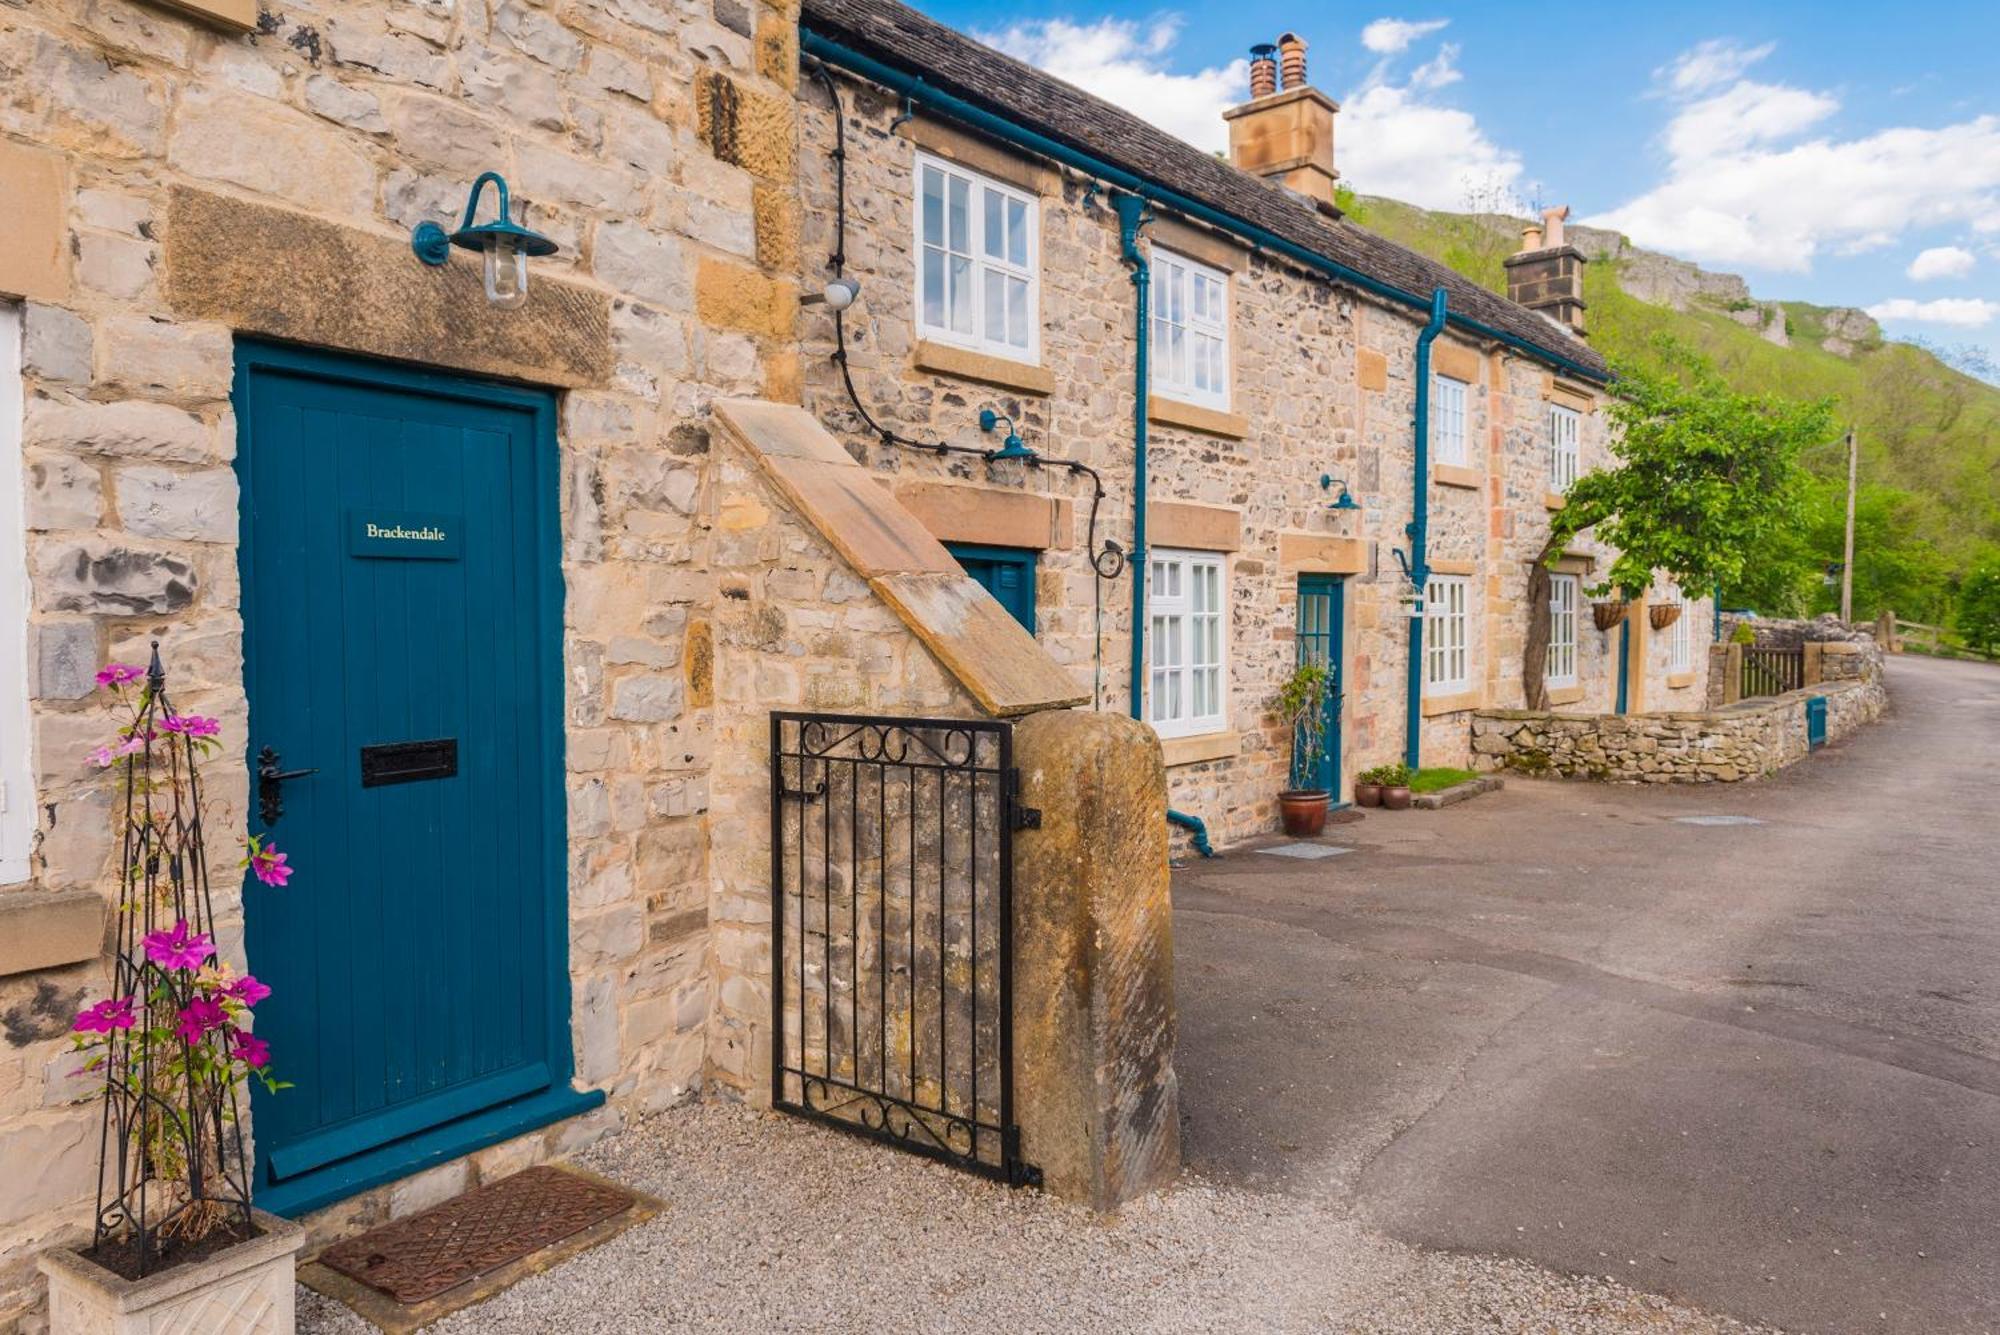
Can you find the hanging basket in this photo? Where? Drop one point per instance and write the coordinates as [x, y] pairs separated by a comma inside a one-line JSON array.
[[1609, 613], [1663, 615]]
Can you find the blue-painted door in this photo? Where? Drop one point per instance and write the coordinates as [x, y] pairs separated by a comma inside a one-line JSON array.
[[1319, 642], [402, 614], [1008, 573]]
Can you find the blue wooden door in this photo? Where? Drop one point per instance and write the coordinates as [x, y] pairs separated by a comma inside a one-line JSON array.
[[1319, 642], [402, 614], [1008, 573]]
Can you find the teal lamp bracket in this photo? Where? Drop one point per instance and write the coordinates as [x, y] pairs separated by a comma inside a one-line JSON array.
[[1345, 501], [1011, 446], [505, 243]]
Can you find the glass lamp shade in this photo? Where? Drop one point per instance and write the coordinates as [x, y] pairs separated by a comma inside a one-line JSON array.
[[506, 272]]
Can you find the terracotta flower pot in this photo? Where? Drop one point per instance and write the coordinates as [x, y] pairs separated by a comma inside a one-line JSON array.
[[1663, 615], [1367, 794], [1303, 812], [1609, 613], [1396, 797]]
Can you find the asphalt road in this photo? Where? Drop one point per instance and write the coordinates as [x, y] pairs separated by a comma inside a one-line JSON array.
[[1753, 1067]]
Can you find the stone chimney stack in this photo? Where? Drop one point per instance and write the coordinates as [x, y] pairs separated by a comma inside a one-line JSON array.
[[1546, 275], [1284, 133]]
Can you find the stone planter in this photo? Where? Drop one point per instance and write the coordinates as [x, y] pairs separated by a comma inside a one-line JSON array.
[[245, 1290]]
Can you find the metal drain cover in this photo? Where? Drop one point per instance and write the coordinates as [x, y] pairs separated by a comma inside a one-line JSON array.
[[418, 1258], [1308, 851]]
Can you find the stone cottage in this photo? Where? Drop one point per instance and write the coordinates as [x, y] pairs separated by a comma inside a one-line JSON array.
[[492, 564]]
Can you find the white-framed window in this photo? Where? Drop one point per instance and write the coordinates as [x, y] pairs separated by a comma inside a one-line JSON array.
[[978, 264], [1190, 347], [1564, 424], [17, 795], [1563, 590], [1680, 638], [1447, 636], [1187, 606], [1448, 424]]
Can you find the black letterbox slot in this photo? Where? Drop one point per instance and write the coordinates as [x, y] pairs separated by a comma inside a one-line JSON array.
[[407, 762]]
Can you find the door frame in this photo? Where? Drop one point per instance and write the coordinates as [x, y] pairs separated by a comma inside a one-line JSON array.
[[412, 1154], [1335, 589]]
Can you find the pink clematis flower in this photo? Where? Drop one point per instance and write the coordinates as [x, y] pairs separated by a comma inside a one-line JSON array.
[[193, 725], [103, 756], [182, 948], [107, 1015], [247, 990], [198, 1017], [251, 1050], [267, 864], [114, 675]]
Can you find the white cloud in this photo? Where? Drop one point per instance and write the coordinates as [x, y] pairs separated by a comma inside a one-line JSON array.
[[1715, 61], [1394, 143], [1942, 262], [1965, 312], [1439, 71], [1740, 189], [1385, 37], [1122, 61]]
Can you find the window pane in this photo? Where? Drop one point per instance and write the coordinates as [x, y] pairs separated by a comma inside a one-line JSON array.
[[996, 305], [933, 198], [993, 241], [961, 295], [1017, 312], [933, 287], [958, 215], [1017, 233]]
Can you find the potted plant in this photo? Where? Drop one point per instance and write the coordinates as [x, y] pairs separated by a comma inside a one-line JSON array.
[[1301, 703], [1663, 615], [177, 1244], [1608, 612], [1396, 787], [1368, 786]]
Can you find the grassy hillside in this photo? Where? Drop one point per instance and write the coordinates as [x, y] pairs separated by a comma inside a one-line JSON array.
[[1930, 436]]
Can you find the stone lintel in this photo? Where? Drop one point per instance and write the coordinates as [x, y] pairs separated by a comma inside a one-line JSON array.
[[1094, 1020], [261, 269], [1200, 528], [1455, 360], [238, 15], [48, 929], [990, 516], [1323, 554], [1003, 372], [989, 157], [1210, 248], [1455, 475], [960, 623]]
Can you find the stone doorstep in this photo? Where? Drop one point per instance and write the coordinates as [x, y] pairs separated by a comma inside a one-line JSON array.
[[394, 1318], [104, 1292], [1458, 792]]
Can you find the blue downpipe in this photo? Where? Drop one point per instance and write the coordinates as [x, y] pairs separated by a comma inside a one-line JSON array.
[[920, 91], [1131, 217], [1624, 662], [1419, 533], [1718, 612]]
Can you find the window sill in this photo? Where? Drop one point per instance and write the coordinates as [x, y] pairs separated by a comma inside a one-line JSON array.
[[1201, 747], [985, 367], [1555, 500], [1565, 695], [1452, 475], [1679, 681], [1213, 421], [1453, 704]]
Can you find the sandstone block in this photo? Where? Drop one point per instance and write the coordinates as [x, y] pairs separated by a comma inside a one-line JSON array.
[[735, 296], [630, 257], [647, 699], [53, 1162], [64, 655], [63, 492], [156, 357], [129, 429], [229, 136], [55, 345]]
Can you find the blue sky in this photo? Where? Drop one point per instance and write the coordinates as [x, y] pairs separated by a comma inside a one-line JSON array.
[[1845, 154]]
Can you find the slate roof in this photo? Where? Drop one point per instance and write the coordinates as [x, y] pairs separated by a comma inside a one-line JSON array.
[[949, 60]]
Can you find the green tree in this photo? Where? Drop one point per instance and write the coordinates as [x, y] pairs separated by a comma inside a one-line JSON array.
[[1979, 606], [1707, 483]]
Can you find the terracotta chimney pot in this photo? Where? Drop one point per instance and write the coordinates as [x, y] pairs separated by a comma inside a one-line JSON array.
[[1531, 238], [1552, 226], [1263, 70], [1292, 57]]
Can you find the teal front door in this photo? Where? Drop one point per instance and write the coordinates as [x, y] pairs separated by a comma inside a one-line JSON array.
[[1008, 573], [1319, 643], [402, 612]]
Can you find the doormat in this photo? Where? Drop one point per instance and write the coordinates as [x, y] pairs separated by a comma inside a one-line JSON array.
[[412, 1271]]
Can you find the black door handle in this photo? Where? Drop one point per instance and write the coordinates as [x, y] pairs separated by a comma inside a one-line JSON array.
[[270, 785]]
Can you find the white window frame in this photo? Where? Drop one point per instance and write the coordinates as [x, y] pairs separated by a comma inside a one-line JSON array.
[[979, 263], [1565, 596], [17, 792], [1451, 400], [1565, 433], [1178, 306], [1680, 641], [1447, 635], [1187, 636]]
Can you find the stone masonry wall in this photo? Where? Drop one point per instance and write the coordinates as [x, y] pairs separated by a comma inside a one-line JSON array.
[[655, 143], [1323, 384]]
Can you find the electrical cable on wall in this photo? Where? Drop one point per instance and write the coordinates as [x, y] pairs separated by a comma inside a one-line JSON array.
[[1107, 563]]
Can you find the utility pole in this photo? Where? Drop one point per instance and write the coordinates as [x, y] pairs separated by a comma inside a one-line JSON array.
[[1847, 551]]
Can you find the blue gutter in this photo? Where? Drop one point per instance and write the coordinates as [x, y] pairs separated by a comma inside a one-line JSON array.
[[1132, 215], [919, 90], [1419, 531]]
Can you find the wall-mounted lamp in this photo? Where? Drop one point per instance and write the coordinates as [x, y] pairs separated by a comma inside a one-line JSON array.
[[838, 295], [1011, 447], [505, 243], [1345, 501]]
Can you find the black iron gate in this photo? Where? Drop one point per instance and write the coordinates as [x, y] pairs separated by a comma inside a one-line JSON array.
[[892, 869]]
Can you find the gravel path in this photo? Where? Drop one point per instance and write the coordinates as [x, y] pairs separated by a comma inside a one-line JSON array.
[[773, 1224]]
